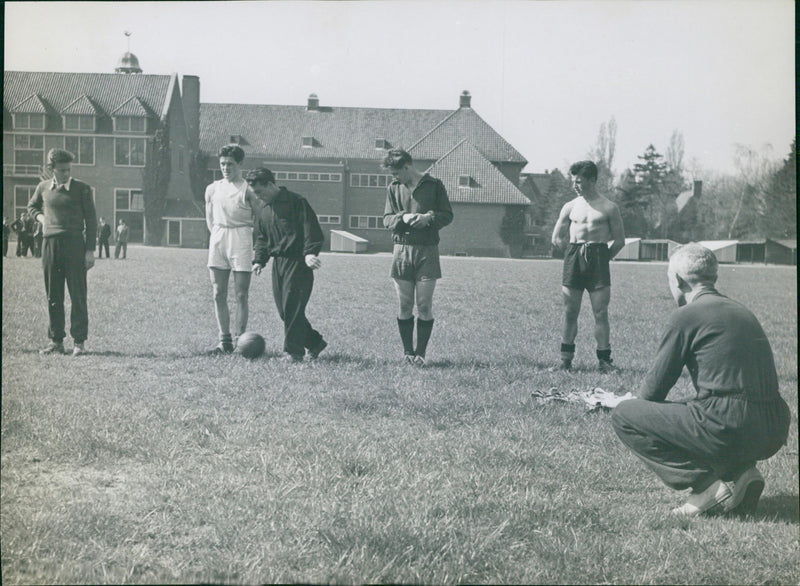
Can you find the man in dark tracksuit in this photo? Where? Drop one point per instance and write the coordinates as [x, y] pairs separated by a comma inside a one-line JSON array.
[[24, 229], [65, 208], [416, 209], [286, 228], [712, 442]]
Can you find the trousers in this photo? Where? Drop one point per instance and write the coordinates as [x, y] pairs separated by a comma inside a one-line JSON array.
[[292, 282], [63, 260], [693, 444]]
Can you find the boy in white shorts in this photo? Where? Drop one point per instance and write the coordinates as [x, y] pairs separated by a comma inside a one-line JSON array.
[[230, 205]]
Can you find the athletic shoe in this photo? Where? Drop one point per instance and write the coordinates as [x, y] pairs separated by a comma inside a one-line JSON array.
[[746, 492], [313, 353], [566, 366], [419, 360], [606, 366], [78, 349], [222, 348], [291, 358], [409, 359], [53, 348], [704, 502]]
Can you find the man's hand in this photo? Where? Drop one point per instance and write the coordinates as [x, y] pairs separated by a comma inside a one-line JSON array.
[[312, 260], [409, 218], [88, 259], [422, 220], [257, 268]]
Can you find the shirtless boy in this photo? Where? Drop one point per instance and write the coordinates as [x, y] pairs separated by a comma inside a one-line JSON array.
[[594, 221]]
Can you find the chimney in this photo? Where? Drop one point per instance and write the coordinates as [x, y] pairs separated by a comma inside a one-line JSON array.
[[313, 102], [190, 90], [464, 101]]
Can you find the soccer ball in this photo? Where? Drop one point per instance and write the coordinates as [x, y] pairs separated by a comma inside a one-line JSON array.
[[250, 345]]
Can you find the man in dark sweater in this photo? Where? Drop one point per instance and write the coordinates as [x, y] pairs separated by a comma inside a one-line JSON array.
[[65, 208], [416, 209], [24, 229], [103, 238], [286, 228], [711, 443]]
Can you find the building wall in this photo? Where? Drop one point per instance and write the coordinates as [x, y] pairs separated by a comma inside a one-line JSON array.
[[475, 231]]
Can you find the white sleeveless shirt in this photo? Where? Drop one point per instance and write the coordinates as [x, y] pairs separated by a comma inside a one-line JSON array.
[[229, 207]]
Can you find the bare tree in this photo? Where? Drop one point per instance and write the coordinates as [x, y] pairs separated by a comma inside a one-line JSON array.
[[675, 151], [755, 171]]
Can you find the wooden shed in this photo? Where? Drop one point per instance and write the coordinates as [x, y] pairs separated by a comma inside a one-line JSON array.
[[342, 241]]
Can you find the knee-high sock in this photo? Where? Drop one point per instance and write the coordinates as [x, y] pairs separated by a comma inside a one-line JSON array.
[[567, 352], [406, 327], [424, 329]]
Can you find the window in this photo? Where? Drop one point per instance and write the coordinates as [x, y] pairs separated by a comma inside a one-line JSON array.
[[464, 181], [329, 219], [129, 124], [129, 152], [129, 200], [78, 122], [367, 222], [29, 121], [292, 176], [22, 195], [29, 149], [382, 143], [82, 147], [369, 180], [308, 142]]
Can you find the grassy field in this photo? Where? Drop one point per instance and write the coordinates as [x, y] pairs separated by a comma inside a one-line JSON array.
[[147, 461]]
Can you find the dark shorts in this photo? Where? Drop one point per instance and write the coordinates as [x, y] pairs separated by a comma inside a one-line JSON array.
[[586, 266], [416, 262]]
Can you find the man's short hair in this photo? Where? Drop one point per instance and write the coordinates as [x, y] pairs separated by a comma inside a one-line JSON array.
[[586, 169], [56, 156], [234, 151], [694, 263], [396, 159], [262, 176]]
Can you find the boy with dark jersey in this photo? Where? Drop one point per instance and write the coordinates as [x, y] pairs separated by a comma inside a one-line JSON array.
[[416, 209]]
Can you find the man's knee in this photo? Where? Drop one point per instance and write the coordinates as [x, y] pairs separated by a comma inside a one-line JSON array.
[[220, 293]]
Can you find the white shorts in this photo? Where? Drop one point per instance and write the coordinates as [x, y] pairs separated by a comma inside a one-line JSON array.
[[231, 248]]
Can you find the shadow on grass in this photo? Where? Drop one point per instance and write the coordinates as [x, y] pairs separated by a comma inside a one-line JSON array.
[[781, 507]]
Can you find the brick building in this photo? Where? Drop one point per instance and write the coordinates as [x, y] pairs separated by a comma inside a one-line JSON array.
[[108, 121], [333, 156]]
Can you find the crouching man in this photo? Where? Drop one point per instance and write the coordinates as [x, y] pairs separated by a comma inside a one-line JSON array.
[[711, 443]]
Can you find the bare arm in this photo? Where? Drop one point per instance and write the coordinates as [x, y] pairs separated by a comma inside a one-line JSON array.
[[563, 218], [209, 208], [617, 231]]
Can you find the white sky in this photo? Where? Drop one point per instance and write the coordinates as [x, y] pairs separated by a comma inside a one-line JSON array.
[[545, 74]]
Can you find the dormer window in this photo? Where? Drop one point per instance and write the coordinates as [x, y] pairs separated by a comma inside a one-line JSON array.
[[79, 122], [465, 181], [309, 142], [29, 121], [129, 124], [235, 139], [382, 143]]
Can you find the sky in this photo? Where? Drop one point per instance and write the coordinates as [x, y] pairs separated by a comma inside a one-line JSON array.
[[545, 74]]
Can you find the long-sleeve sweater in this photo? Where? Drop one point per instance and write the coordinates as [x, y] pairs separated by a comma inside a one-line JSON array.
[[723, 347], [429, 195], [65, 212], [286, 227]]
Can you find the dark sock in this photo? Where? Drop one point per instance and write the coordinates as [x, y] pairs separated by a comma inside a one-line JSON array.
[[567, 352], [604, 355], [406, 327], [424, 329]]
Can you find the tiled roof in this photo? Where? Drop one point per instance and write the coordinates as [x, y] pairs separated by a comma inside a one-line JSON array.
[[786, 243], [81, 105], [276, 131], [133, 106], [465, 123], [489, 185], [33, 104], [106, 90]]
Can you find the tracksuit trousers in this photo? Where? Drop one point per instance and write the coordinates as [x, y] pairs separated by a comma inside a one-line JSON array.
[[63, 260], [693, 444], [292, 282]]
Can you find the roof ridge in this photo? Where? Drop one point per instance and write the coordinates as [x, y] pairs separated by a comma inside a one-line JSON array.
[[427, 134]]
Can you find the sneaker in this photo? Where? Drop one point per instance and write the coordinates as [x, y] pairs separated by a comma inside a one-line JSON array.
[[223, 348], [746, 492], [53, 348], [419, 360], [313, 353], [606, 366], [409, 359], [699, 503], [291, 358], [78, 349]]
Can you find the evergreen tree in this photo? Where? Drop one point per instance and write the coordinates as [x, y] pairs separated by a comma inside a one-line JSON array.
[[779, 219], [155, 182]]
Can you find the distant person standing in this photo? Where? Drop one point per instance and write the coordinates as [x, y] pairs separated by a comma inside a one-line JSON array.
[[24, 229], [230, 206], [103, 237], [65, 208], [6, 235], [38, 237], [416, 209], [287, 229], [593, 221], [122, 240]]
